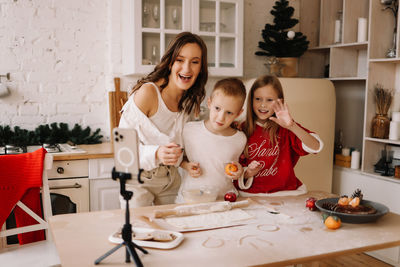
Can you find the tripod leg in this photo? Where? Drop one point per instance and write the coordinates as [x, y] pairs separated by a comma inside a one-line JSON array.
[[108, 253], [140, 248], [127, 254], [130, 247]]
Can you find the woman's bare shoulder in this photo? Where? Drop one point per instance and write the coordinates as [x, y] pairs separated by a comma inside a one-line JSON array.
[[146, 99]]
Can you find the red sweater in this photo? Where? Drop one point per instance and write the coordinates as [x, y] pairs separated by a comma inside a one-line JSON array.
[[278, 161], [21, 179]]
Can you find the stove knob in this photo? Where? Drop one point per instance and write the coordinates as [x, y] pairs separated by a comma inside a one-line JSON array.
[[60, 170]]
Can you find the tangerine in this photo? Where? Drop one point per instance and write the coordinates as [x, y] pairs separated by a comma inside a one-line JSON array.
[[230, 167], [343, 200], [332, 222], [355, 202]]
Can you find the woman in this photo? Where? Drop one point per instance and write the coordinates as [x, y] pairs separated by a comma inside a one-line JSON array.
[[158, 106]]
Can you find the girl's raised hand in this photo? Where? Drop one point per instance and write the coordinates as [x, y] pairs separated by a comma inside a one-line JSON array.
[[283, 117], [169, 154]]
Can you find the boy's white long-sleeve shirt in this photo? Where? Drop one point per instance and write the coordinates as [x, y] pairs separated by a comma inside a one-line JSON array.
[[150, 137], [212, 152]]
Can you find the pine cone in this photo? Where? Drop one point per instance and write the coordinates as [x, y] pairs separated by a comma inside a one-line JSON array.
[[329, 206], [357, 193]]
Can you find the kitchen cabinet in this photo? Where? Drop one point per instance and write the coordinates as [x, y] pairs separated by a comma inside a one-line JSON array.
[[104, 192], [150, 25], [355, 67]]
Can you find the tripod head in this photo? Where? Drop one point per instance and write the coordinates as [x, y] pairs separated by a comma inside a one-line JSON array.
[[123, 177]]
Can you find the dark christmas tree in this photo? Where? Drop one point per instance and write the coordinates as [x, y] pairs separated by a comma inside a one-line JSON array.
[[279, 41]]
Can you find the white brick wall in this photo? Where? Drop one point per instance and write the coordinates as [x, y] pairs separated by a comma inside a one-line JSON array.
[[57, 54], [63, 56]]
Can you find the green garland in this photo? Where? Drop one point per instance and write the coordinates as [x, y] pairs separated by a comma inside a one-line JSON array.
[[48, 134]]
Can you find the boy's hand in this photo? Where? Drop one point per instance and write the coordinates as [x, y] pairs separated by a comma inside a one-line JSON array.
[[169, 154], [235, 175], [283, 117], [252, 169], [194, 170]]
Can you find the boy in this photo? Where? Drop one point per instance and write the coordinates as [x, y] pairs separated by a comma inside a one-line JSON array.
[[211, 144]]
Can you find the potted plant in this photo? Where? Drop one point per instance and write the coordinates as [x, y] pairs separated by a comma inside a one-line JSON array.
[[282, 46]]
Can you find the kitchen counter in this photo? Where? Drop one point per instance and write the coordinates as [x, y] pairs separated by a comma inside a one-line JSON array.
[[103, 150]]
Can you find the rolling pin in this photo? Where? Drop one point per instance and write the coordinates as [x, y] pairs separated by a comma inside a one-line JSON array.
[[201, 208]]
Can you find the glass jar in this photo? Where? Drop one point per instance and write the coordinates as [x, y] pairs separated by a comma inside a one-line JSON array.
[[380, 126]]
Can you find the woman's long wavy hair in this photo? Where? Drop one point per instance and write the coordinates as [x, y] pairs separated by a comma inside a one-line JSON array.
[[192, 98], [251, 117]]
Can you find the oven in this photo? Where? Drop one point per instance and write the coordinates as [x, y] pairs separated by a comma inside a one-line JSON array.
[[69, 186]]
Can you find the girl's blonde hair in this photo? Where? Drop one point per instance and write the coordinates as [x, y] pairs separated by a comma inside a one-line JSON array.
[[251, 117]]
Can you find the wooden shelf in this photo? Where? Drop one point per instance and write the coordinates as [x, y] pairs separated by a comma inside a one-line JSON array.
[[385, 141], [349, 45], [352, 45], [385, 60], [347, 78]]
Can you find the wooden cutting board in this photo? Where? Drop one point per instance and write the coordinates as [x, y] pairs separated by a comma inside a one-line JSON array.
[[116, 99]]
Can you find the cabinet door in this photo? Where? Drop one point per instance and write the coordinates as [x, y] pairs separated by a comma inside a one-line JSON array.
[[220, 24], [104, 194], [148, 28]]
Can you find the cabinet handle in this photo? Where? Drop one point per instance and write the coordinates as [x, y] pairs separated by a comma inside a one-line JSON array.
[[60, 170], [76, 185]]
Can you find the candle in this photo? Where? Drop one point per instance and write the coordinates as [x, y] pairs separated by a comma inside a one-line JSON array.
[[355, 159], [346, 151], [394, 130], [362, 30], [337, 31], [395, 116]]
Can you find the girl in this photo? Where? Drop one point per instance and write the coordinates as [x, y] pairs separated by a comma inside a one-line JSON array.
[[275, 141], [158, 107]]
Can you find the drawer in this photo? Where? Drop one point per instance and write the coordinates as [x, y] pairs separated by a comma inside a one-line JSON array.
[[69, 169]]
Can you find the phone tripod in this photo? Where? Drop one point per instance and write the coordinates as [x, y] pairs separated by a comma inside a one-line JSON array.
[[127, 228]]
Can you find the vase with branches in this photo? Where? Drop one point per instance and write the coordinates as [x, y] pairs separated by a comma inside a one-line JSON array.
[[381, 123]]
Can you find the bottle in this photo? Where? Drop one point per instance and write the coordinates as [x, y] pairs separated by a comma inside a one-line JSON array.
[[339, 142]]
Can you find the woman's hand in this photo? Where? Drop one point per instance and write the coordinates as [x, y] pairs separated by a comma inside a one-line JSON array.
[[283, 117], [169, 154], [252, 169], [235, 175]]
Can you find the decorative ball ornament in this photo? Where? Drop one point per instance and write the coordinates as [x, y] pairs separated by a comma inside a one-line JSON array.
[[291, 34], [230, 196]]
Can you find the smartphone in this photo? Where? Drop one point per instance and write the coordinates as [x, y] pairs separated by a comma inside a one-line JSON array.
[[126, 155]]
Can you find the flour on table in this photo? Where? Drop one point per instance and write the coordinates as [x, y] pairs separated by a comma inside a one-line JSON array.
[[215, 219]]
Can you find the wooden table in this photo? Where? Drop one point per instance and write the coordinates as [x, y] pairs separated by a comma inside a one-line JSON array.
[[268, 240]]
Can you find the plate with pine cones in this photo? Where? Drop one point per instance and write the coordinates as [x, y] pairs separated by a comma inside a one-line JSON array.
[[353, 209]]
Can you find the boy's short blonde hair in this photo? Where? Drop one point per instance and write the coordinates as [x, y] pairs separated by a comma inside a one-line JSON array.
[[231, 87]]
